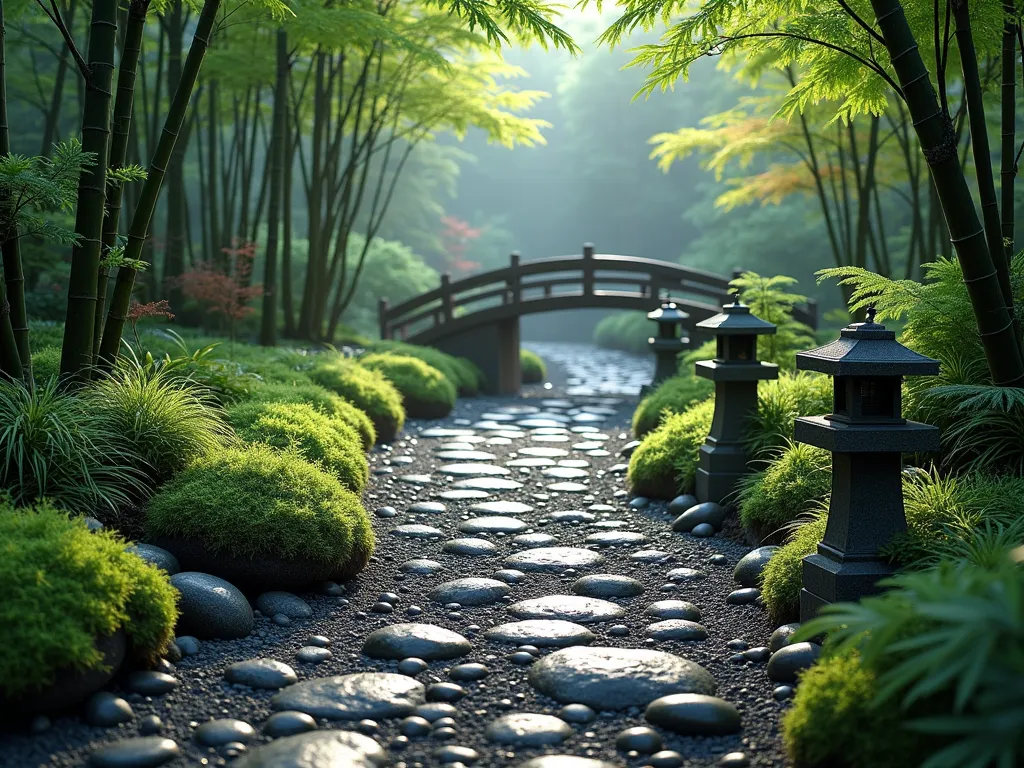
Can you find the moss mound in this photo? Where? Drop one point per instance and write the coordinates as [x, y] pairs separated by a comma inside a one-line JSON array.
[[323, 400], [367, 390], [247, 502], [46, 364], [673, 395], [465, 376], [665, 462], [793, 481], [317, 437], [532, 367], [834, 722], [783, 576], [780, 402], [64, 587], [426, 393]]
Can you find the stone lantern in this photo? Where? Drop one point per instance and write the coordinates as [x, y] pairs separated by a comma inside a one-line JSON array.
[[670, 340], [867, 434], [735, 370]]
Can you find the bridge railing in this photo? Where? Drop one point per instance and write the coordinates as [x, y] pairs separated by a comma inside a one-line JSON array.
[[521, 282]]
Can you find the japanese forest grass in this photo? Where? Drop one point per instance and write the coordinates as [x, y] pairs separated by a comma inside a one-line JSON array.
[[253, 501], [65, 587]]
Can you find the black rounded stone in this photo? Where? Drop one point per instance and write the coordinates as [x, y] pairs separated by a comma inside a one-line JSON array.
[[680, 504], [452, 753], [158, 556], [693, 714], [282, 724], [414, 727], [709, 512], [468, 672], [149, 683], [667, 758], [469, 591], [786, 663], [781, 636], [673, 609], [448, 692], [211, 608], [607, 585], [149, 725], [744, 596], [143, 752], [421, 641], [640, 739], [104, 709], [677, 629], [292, 606], [412, 666], [750, 567], [267, 674], [703, 530], [577, 713], [217, 732]]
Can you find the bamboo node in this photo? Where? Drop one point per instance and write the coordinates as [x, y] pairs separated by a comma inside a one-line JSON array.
[[945, 149]]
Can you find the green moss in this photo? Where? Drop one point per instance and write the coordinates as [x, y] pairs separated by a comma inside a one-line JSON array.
[[673, 395], [257, 501], [323, 400], [793, 481], [534, 371], [426, 393], [783, 576], [367, 390], [665, 462], [64, 587], [317, 437], [45, 364], [834, 722], [463, 375]]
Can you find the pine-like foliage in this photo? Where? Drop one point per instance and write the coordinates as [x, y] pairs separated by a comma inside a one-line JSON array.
[[770, 299]]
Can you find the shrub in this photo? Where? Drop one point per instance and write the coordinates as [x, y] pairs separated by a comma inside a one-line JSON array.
[[323, 400], [54, 445], [673, 395], [627, 331], [367, 390], [64, 587], [464, 376], [45, 364], [665, 462], [426, 393], [247, 502], [793, 481], [783, 575], [317, 437], [167, 421], [780, 402], [533, 369], [47, 333]]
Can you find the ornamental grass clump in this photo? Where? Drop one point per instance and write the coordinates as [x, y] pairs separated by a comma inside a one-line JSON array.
[[328, 442], [794, 480], [673, 395], [532, 367], [367, 390], [426, 393], [664, 464], [463, 374], [64, 588], [780, 403], [253, 502], [323, 400]]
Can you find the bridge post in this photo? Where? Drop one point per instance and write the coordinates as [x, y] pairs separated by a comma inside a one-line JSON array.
[[513, 281], [446, 297], [588, 269], [382, 318]]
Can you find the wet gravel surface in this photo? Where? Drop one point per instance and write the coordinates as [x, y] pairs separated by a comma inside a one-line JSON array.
[[591, 427]]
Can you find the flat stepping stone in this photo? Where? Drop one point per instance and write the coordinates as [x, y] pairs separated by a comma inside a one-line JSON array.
[[568, 487], [565, 761], [553, 559], [528, 462], [454, 446], [421, 641], [650, 556], [581, 610], [426, 507], [469, 547], [607, 585], [446, 432], [420, 566], [462, 495], [313, 654], [686, 574], [353, 697], [417, 479], [543, 452], [145, 752], [267, 674], [317, 749], [549, 438], [673, 609], [499, 416], [588, 418], [541, 423], [677, 629], [417, 531], [528, 730], [469, 591], [574, 464], [572, 516], [694, 715], [490, 424], [489, 484], [473, 470], [495, 524], [617, 678], [501, 508], [292, 606], [589, 445], [543, 633], [534, 540], [615, 539]]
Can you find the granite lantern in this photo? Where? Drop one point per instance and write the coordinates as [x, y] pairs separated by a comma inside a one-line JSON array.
[[867, 434], [735, 370], [669, 342]]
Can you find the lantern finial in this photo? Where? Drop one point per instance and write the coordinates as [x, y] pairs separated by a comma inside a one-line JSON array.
[[871, 315]]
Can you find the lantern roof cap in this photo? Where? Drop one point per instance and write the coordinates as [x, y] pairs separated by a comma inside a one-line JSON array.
[[668, 313], [866, 349], [736, 319]]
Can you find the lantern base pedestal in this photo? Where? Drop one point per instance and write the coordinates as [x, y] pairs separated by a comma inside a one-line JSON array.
[[720, 468], [826, 580]]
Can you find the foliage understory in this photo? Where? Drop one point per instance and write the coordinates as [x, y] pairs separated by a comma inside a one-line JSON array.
[[532, 368], [426, 392], [368, 390]]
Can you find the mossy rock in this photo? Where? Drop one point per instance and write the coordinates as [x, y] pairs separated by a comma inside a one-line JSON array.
[[46, 364], [261, 519], [664, 464], [532, 367], [426, 393], [330, 443], [367, 390], [323, 400], [74, 603], [465, 376], [673, 395], [782, 579], [794, 481]]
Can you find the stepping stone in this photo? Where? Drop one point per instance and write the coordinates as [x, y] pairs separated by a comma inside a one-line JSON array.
[[417, 531], [542, 633], [501, 508], [473, 470], [493, 525], [677, 629], [607, 585], [489, 484], [469, 591], [574, 464], [211, 608], [553, 559], [565, 473], [686, 574], [615, 539], [469, 547], [318, 749], [292, 606], [581, 610], [651, 556], [353, 697], [454, 446], [549, 438], [528, 730], [312, 654], [493, 416], [534, 540], [750, 567], [589, 445], [445, 432], [420, 566], [617, 678], [417, 479], [588, 418], [214, 733], [145, 752], [547, 453], [465, 455], [426, 507], [572, 516], [422, 641], [541, 423], [261, 673], [673, 609], [462, 495], [693, 714], [565, 761], [528, 462], [568, 487], [489, 424]]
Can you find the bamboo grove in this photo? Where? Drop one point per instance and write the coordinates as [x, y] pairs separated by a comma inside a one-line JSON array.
[[230, 114]]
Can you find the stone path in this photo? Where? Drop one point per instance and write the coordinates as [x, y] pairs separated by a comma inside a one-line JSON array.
[[520, 605]]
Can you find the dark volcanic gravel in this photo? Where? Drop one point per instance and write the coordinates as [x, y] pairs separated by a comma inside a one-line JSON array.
[[479, 723]]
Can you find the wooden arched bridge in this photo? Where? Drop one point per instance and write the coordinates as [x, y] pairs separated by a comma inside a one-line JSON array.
[[478, 316]]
